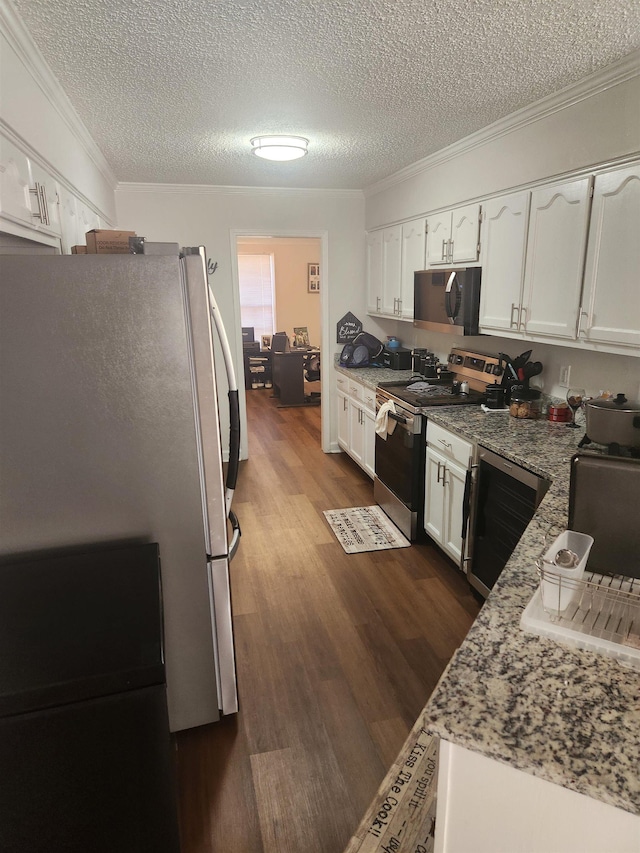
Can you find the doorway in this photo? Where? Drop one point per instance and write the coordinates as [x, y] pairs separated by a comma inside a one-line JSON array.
[[297, 263]]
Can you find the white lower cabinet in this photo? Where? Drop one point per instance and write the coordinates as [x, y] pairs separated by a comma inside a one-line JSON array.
[[357, 421], [486, 806], [448, 459]]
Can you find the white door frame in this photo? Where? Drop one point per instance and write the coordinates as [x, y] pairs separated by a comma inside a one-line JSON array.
[[325, 345]]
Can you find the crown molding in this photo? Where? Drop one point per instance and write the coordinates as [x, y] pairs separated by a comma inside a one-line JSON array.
[[211, 189], [18, 36], [624, 69]]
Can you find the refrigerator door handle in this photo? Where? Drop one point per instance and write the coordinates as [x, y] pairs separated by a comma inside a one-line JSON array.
[[237, 533], [234, 405]]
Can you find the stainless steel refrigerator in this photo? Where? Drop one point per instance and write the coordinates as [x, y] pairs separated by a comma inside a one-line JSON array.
[[110, 434]]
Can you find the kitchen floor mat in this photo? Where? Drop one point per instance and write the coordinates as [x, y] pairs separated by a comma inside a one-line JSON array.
[[364, 528]]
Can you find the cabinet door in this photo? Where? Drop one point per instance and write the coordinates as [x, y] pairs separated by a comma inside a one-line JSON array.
[[611, 299], [555, 258], [434, 495], [454, 483], [88, 219], [15, 199], [413, 259], [68, 220], [343, 421], [465, 234], [504, 240], [374, 272], [44, 202], [369, 458], [438, 236], [391, 268], [356, 432]]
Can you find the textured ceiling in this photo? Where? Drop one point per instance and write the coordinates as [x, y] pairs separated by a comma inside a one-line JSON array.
[[172, 90]]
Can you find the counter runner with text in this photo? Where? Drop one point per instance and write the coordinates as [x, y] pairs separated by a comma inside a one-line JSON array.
[[401, 818]]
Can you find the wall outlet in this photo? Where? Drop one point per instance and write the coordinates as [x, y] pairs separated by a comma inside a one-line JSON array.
[[565, 376]]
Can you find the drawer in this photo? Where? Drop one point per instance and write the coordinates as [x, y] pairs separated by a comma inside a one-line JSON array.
[[356, 390], [369, 399], [449, 444], [342, 383]]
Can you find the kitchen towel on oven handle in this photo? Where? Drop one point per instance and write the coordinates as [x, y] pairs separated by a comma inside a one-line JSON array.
[[384, 424]]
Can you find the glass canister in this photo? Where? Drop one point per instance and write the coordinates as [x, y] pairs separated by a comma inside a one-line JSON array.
[[525, 404]]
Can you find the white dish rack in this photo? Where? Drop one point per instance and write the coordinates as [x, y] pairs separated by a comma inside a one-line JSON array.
[[603, 613]]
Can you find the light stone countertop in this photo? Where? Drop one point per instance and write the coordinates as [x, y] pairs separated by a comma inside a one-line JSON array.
[[566, 715]]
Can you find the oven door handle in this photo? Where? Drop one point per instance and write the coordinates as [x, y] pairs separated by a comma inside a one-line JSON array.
[[398, 418], [466, 500]]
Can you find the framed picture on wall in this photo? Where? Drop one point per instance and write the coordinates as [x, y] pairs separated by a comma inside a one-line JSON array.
[[313, 280]]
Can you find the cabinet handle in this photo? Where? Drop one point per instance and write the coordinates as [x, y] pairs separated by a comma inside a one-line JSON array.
[[399, 306], [515, 323], [583, 331], [522, 323], [446, 443], [439, 466], [450, 253], [444, 476], [45, 206], [444, 250], [377, 303], [41, 197]]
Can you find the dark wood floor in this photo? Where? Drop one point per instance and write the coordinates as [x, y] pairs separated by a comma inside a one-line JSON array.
[[336, 654]]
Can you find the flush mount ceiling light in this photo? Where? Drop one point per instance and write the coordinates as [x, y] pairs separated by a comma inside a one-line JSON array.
[[279, 147]]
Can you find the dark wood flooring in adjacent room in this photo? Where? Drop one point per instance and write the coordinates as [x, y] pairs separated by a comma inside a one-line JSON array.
[[336, 654]]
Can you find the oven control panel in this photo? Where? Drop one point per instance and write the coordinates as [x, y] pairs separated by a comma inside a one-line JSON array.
[[479, 369]]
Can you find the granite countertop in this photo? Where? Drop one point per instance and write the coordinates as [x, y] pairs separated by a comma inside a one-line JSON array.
[[372, 376], [567, 715]]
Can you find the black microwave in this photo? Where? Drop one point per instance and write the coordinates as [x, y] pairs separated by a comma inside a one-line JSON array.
[[447, 300]]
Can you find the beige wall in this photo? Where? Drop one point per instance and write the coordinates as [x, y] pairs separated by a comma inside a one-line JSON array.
[[216, 216], [295, 306]]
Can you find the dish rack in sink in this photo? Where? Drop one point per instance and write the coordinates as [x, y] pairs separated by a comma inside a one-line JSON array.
[[602, 613]]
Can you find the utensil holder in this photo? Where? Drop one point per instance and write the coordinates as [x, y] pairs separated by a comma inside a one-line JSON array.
[[559, 584]]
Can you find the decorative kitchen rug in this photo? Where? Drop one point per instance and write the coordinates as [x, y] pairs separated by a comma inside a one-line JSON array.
[[364, 528]]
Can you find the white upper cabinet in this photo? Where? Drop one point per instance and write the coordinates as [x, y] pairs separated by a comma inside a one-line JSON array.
[[88, 219], [438, 238], [15, 199], [413, 250], [611, 300], [76, 218], [504, 242], [28, 194], [391, 268], [465, 234], [393, 255], [68, 220], [453, 237], [555, 259], [374, 272]]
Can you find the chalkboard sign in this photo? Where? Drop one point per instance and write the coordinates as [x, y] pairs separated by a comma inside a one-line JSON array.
[[347, 328]]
